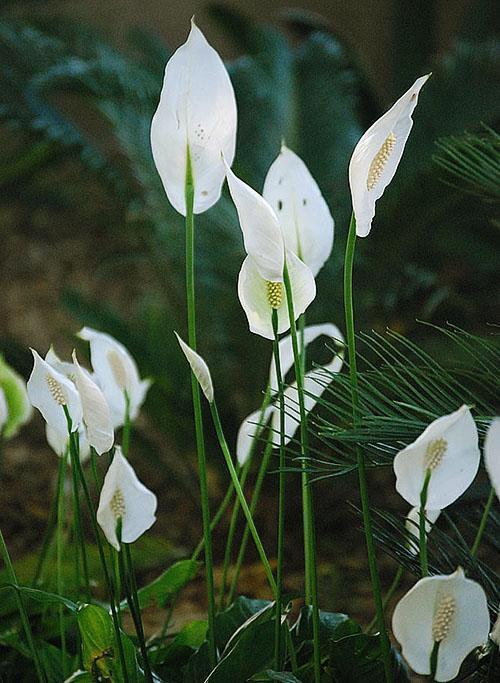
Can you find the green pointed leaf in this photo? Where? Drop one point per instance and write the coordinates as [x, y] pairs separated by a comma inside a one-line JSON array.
[[168, 584], [42, 596], [358, 657]]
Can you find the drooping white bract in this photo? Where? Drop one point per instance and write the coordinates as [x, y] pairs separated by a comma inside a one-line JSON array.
[[448, 609], [116, 373], [124, 497], [17, 408], [196, 115], [492, 454], [448, 447], [413, 525], [377, 155], [60, 442], [50, 391], [96, 412], [261, 230], [258, 296], [199, 368], [250, 430], [305, 219]]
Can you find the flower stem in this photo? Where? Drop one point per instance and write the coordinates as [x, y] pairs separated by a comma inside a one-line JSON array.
[[363, 487], [434, 661], [80, 548], [483, 522], [281, 499], [307, 502], [22, 610], [388, 596], [198, 420], [59, 556], [424, 562]]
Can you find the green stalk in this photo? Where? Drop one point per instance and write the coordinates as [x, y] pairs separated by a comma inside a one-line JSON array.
[[59, 544], [198, 420], [114, 557], [424, 562], [307, 502], [389, 595], [22, 610], [363, 487], [80, 548], [47, 538], [215, 519], [483, 522], [434, 661], [281, 499]]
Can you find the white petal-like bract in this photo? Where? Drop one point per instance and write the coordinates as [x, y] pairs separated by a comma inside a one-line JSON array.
[[116, 373], [60, 442], [254, 293], [413, 525], [449, 448], [250, 430], [50, 392], [377, 155], [492, 454], [199, 368], [448, 609], [124, 497], [96, 412], [305, 219], [196, 112]]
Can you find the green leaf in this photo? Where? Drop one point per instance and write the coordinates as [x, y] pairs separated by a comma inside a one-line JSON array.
[[281, 676], [229, 621], [177, 652], [42, 596], [329, 625], [14, 390], [358, 657], [168, 584]]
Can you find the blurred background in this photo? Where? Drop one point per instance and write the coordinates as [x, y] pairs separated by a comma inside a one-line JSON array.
[[88, 237]]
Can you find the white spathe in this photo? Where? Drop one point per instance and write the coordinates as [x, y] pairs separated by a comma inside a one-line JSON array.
[[199, 368], [196, 115], [124, 497], [448, 608], [377, 155], [116, 373], [261, 230], [413, 525], [96, 412], [492, 454], [250, 430], [449, 447], [305, 219], [50, 391], [253, 292], [60, 442]]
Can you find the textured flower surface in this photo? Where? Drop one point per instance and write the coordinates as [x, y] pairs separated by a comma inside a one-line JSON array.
[[448, 447], [305, 219], [492, 454], [377, 155], [124, 497], [448, 609], [196, 115], [199, 368], [16, 409], [51, 392], [116, 373]]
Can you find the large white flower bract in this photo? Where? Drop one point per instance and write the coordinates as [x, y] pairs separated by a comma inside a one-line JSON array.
[[448, 609], [124, 497], [60, 442], [492, 454], [199, 368], [196, 115], [250, 429], [51, 392], [16, 408], [305, 219], [377, 155], [116, 373], [96, 412], [448, 447]]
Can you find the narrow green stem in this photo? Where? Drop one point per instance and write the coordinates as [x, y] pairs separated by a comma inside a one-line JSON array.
[[483, 522], [198, 420], [215, 519], [434, 661], [424, 562], [22, 610], [95, 474], [80, 548], [114, 557], [46, 543], [389, 595], [59, 555], [127, 427], [307, 501], [281, 499], [363, 487]]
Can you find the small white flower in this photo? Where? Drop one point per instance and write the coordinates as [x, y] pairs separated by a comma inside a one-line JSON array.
[[124, 497], [64, 367], [377, 155], [303, 214], [60, 442], [448, 609], [258, 296], [50, 391], [196, 115], [96, 413], [250, 429], [448, 447], [492, 454], [116, 373], [199, 368], [413, 525], [16, 408]]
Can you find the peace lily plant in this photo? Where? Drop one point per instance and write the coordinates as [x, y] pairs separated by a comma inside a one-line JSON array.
[[442, 624]]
